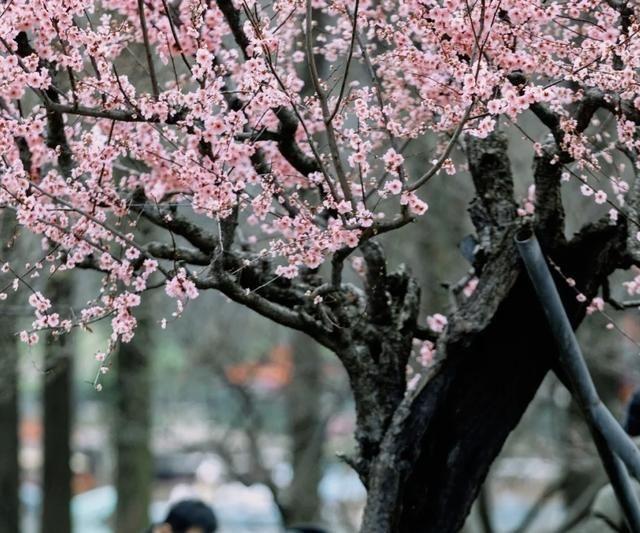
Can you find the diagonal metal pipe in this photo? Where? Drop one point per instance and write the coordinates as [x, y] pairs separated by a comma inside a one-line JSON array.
[[616, 449]]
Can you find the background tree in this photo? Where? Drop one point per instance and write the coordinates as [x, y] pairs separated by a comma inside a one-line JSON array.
[[271, 396], [306, 430], [132, 429], [265, 194], [9, 436], [57, 421]]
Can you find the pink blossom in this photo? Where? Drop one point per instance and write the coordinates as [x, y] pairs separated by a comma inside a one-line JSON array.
[[393, 187], [597, 304], [600, 197], [586, 190], [416, 206], [392, 161], [427, 353], [470, 287], [437, 322], [180, 287], [213, 141], [288, 271], [38, 301]]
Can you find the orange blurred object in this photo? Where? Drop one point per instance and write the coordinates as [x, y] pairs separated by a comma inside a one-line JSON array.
[[272, 374]]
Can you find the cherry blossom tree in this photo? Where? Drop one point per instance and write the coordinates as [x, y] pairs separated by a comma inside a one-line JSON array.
[[271, 177]]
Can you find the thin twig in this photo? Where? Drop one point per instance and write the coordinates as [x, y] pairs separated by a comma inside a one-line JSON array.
[[322, 97], [349, 57], [445, 155], [147, 48]]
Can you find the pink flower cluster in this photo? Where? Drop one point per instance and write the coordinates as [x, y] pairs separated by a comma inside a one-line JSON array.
[[181, 287]]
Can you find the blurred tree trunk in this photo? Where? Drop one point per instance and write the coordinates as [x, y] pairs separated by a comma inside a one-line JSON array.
[[133, 428], [9, 469], [9, 466], [306, 429], [58, 363]]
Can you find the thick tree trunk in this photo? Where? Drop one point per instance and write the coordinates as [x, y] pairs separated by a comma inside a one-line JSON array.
[[9, 466], [481, 392], [424, 453], [306, 430], [134, 469], [57, 398], [444, 438]]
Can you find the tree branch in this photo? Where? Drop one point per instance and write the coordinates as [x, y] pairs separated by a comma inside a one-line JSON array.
[[147, 48], [174, 222], [376, 278], [177, 253], [547, 171]]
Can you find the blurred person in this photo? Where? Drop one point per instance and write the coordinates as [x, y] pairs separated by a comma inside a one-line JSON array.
[[188, 516], [605, 514], [305, 529]]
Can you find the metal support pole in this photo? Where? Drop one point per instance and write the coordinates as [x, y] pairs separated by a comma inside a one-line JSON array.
[[615, 447]]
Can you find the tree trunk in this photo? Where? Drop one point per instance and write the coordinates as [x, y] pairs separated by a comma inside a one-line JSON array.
[[56, 511], [497, 349], [134, 469], [9, 468], [424, 453], [9, 441], [306, 430], [477, 399]]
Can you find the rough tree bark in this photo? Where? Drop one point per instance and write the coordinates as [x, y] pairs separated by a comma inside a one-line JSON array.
[[57, 419], [9, 466]]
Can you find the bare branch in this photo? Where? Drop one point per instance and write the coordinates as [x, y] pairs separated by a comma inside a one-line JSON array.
[[326, 114], [174, 222], [225, 283], [147, 47], [177, 253], [354, 32]]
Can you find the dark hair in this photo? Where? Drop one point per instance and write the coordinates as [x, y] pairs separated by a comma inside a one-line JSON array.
[[306, 529], [191, 513], [632, 422]]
